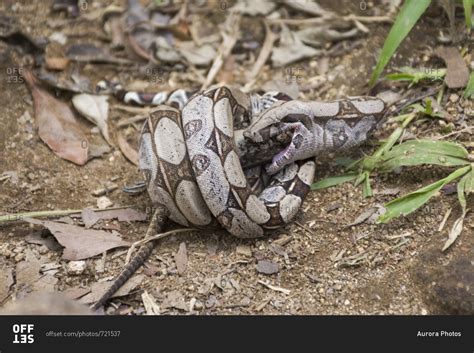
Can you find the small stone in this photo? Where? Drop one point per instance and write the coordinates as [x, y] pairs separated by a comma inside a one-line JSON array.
[[244, 250], [43, 249], [211, 301], [454, 98], [58, 37], [25, 117], [347, 302], [267, 267], [19, 257], [76, 267], [103, 202], [198, 305]]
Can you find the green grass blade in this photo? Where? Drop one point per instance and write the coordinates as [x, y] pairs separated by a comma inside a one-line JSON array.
[[407, 204], [333, 181], [461, 189], [469, 187], [445, 148], [469, 92], [409, 14], [415, 76], [468, 13], [444, 153], [367, 189]]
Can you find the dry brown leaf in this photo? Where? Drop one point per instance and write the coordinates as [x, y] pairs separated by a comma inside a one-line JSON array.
[[99, 288], [267, 267], [81, 243], [181, 258], [457, 72], [6, 281], [95, 109], [45, 304], [40, 239], [89, 217], [27, 272], [291, 49], [126, 149], [76, 293], [254, 8], [175, 300], [455, 231], [197, 55], [308, 6], [151, 307], [370, 215], [57, 126]]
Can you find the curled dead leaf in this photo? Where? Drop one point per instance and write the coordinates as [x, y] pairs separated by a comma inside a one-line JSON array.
[[95, 109], [57, 126]]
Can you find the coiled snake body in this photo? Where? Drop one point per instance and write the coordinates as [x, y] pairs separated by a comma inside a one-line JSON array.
[[192, 159]]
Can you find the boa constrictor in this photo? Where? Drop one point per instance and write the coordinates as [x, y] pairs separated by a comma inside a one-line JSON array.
[[191, 159]]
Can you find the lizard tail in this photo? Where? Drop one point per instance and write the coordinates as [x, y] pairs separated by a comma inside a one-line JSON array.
[[156, 226]]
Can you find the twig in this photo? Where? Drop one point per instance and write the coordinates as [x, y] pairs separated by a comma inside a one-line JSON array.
[[55, 213], [429, 93], [445, 218], [133, 119], [266, 50], [467, 129], [151, 307], [155, 237], [403, 242], [5, 177], [329, 19], [404, 235], [275, 288], [135, 110], [304, 227], [228, 42]]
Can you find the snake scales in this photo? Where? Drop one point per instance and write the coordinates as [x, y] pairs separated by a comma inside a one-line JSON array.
[[192, 157]]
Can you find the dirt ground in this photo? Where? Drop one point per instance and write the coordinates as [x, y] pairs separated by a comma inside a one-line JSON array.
[[325, 266]]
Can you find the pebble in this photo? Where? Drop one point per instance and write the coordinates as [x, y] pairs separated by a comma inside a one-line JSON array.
[[58, 37], [244, 250], [454, 98], [103, 202], [198, 305], [19, 257], [267, 267], [76, 267], [43, 249]]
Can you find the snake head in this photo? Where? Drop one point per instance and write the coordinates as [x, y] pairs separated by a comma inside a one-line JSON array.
[[316, 127]]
